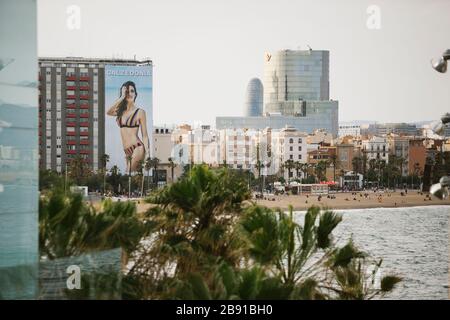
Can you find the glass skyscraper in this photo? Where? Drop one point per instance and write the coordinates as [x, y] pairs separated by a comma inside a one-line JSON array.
[[298, 75], [296, 93], [253, 106]]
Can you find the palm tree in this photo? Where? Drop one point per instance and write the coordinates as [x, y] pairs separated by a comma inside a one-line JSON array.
[[356, 164], [289, 165], [154, 164], [417, 171], [207, 203], [304, 169], [334, 161], [321, 169], [259, 165], [79, 170], [172, 166], [115, 178], [298, 167], [104, 160], [129, 158], [218, 247], [70, 227], [140, 171], [298, 254], [380, 164], [364, 160], [147, 166], [401, 162]]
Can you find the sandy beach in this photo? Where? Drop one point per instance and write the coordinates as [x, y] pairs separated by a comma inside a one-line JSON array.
[[356, 200], [344, 201]]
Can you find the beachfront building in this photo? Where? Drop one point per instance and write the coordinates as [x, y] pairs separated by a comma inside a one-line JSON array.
[[237, 148], [324, 153], [345, 154], [417, 156], [181, 152], [204, 145], [289, 144], [399, 147], [264, 152], [376, 148], [351, 181]]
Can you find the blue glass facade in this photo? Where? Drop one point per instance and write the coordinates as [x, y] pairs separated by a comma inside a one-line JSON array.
[[254, 99], [18, 150]]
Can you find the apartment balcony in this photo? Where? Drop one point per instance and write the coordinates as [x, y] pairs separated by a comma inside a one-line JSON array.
[[84, 151], [70, 133], [72, 96], [84, 78], [71, 152], [84, 142], [84, 97], [70, 124], [84, 106], [84, 88], [71, 78], [71, 106], [84, 124], [71, 142], [71, 115], [71, 87], [84, 133], [84, 115]]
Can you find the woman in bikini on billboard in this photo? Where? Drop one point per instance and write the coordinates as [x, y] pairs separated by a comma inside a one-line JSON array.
[[130, 118]]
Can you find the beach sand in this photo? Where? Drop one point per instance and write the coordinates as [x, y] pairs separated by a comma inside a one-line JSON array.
[[355, 201], [343, 201]]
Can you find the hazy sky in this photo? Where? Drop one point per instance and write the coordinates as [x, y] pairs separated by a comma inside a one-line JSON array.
[[205, 51]]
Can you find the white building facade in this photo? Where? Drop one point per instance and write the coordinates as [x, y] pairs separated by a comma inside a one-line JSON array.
[[376, 148]]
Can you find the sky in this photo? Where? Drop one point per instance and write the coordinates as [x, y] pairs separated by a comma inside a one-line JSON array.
[[205, 51]]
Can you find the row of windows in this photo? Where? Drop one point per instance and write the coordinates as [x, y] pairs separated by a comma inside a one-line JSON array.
[[291, 157], [292, 140]]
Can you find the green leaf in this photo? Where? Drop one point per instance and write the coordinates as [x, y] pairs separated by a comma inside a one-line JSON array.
[[328, 222], [199, 287], [388, 283]]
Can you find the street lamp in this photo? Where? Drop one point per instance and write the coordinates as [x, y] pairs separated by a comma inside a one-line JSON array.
[[441, 64], [441, 189]]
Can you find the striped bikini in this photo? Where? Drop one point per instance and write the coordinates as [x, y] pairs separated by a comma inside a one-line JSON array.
[[130, 123]]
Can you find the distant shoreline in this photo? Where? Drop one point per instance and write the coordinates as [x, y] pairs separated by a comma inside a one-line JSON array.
[[347, 201]]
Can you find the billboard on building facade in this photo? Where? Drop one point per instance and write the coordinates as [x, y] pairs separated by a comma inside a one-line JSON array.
[[129, 116]]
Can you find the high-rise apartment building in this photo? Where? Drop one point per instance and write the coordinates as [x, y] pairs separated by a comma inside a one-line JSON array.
[[72, 110]]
